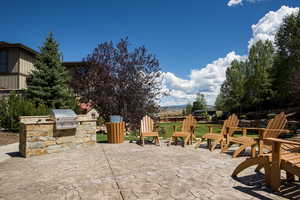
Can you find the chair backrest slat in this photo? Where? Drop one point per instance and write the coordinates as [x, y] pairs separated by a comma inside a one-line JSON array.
[[147, 124], [232, 121], [277, 123], [188, 122]]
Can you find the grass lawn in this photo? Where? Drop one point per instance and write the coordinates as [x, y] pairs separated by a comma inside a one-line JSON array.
[[166, 129]]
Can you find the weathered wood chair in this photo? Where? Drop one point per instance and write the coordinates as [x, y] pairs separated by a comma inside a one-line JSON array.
[[282, 159], [285, 155], [147, 130], [219, 138], [272, 130], [264, 146], [187, 131]]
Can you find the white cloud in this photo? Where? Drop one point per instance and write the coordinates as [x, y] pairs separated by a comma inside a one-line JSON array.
[[240, 2], [234, 2], [208, 79], [267, 26]]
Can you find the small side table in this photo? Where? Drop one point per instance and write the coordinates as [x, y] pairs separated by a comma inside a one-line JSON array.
[[115, 132]]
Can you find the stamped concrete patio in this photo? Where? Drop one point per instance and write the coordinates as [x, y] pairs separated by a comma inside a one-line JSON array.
[[128, 171]]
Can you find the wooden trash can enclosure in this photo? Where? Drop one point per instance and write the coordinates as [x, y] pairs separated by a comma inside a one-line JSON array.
[[115, 132]]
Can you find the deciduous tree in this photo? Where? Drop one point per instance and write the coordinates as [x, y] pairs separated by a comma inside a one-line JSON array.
[[233, 88], [258, 74], [199, 103], [287, 62], [120, 81], [188, 109]]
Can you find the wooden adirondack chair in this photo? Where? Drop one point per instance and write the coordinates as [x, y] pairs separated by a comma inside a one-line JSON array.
[[281, 159], [187, 131], [285, 156], [272, 130], [219, 138], [259, 158], [147, 130]]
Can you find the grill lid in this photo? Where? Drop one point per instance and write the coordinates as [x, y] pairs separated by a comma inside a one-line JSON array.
[[63, 113], [64, 119]]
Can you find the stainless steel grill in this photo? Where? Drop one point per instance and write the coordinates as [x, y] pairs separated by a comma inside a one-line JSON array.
[[64, 119]]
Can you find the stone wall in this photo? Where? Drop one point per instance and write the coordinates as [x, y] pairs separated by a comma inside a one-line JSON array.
[[38, 135]]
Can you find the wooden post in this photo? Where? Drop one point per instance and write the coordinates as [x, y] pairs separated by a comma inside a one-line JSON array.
[[275, 168]]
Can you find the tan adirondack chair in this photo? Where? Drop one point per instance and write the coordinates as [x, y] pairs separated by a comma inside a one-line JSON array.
[[282, 159], [272, 130], [258, 158], [219, 138], [187, 131], [147, 130], [285, 155]]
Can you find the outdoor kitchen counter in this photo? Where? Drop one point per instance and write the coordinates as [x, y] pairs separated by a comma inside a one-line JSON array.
[[48, 120], [38, 135]]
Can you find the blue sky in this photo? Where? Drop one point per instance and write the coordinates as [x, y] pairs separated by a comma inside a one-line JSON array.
[[184, 35]]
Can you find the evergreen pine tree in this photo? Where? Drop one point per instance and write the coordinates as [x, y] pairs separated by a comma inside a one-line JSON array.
[[48, 83]]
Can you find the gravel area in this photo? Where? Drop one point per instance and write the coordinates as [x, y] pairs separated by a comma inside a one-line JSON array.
[[8, 138]]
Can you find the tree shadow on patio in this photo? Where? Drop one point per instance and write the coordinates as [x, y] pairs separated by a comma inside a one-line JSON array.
[[255, 183], [245, 153]]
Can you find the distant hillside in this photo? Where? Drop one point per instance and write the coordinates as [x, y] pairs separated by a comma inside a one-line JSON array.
[[177, 107], [181, 107]]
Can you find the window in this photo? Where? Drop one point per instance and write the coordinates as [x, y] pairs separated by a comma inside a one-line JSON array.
[[3, 61]]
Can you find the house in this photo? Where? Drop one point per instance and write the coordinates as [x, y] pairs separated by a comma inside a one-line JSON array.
[[16, 62]]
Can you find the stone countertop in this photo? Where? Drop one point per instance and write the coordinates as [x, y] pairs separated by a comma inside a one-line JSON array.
[[47, 119]]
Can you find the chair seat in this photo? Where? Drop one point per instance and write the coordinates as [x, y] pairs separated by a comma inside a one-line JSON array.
[[150, 134], [242, 140], [181, 134], [212, 136]]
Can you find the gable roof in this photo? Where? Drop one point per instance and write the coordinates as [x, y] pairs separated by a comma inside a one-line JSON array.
[[18, 45]]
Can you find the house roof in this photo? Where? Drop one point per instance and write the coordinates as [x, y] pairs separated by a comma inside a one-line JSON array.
[[17, 45], [75, 64]]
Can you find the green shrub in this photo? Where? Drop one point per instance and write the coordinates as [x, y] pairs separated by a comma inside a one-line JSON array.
[[219, 114], [100, 121], [14, 106]]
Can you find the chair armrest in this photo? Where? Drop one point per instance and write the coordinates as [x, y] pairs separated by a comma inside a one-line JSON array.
[[232, 130], [245, 129], [254, 128], [236, 128], [278, 130], [277, 140], [266, 129], [210, 127]]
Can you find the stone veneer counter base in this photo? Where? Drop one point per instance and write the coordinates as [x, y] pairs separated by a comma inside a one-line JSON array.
[[38, 135]]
